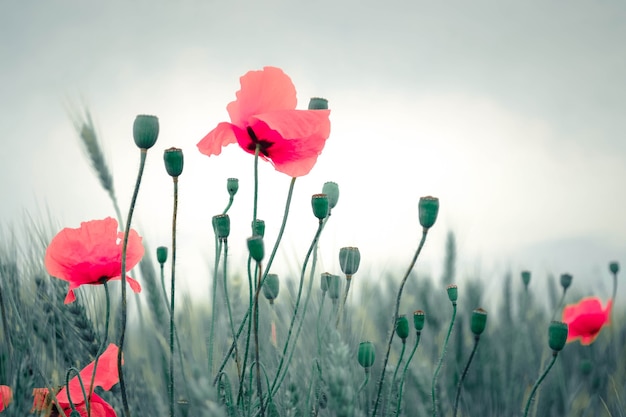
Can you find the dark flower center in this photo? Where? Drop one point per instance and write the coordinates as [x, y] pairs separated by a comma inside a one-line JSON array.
[[263, 145]]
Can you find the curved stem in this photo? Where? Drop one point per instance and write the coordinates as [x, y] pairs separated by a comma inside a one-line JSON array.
[[443, 354], [230, 203], [103, 344], [395, 317], [458, 389], [67, 387], [395, 372], [365, 381], [142, 164], [230, 313], [218, 253], [406, 368], [539, 381], [173, 296]]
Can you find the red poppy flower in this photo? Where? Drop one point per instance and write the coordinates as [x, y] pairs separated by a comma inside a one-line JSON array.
[[106, 377], [586, 319], [5, 396], [264, 114], [92, 254]]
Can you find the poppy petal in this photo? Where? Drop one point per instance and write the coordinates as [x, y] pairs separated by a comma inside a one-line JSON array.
[[216, 139], [586, 319], [6, 394]]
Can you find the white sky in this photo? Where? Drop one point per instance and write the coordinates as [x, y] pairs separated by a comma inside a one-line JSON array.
[[511, 113]]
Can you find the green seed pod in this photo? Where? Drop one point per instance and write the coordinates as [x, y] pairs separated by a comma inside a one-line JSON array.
[[325, 281], [479, 321], [318, 103], [428, 209], [614, 267], [334, 287], [366, 355], [349, 260], [319, 203], [402, 327], [161, 253], [453, 292], [557, 335], [173, 158], [258, 228], [232, 186], [331, 189], [221, 226], [566, 281], [526, 278], [256, 248], [145, 131], [418, 320], [271, 287]]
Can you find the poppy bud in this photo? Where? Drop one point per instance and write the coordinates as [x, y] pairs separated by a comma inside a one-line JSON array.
[[479, 321], [256, 248], [319, 202], [74, 413], [145, 131], [614, 267], [161, 253], [334, 287], [221, 226], [566, 281], [418, 320], [349, 260], [331, 189], [402, 327], [173, 158], [258, 227], [557, 335], [271, 286], [325, 281], [453, 292], [366, 355], [232, 185], [428, 210], [526, 278], [318, 103]]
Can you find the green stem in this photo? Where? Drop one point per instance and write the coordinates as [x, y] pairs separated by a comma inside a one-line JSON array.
[[230, 314], [365, 381], [218, 253], [249, 332], [395, 373], [539, 381], [102, 345], [443, 354], [406, 368], [173, 296], [67, 387], [133, 202], [559, 305], [458, 389], [395, 317], [256, 344], [317, 326], [342, 306], [230, 203]]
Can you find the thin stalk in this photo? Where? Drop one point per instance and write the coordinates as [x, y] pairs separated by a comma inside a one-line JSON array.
[[406, 368], [317, 325], [395, 373], [218, 253], [256, 344], [230, 314], [443, 354], [173, 296], [395, 317], [133, 202], [539, 381], [249, 333], [344, 300], [559, 305], [458, 389], [365, 381], [103, 344], [67, 387]]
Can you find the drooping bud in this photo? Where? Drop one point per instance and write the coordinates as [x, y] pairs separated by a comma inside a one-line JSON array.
[[161, 253], [173, 158], [258, 227], [614, 267], [402, 327], [271, 287], [453, 292], [318, 103], [418, 320], [221, 225], [331, 189], [349, 260], [256, 248], [145, 131], [479, 321], [366, 355], [334, 287], [319, 203], [232, 186], [566, 281], [557, 335], [526, 278], [428, 211]]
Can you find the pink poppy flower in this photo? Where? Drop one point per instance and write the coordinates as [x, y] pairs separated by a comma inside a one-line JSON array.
[[586, 319], [265, 114], [106, 377], [92, 254], [6, 395]]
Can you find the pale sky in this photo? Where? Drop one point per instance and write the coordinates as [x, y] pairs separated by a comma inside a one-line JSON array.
[[512, 113]]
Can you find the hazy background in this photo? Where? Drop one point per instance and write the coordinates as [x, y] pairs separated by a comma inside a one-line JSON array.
[[512, 113]]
